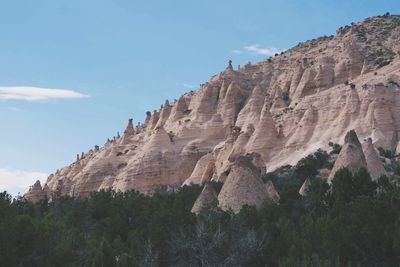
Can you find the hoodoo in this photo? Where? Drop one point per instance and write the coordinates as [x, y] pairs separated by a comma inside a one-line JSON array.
[[243, 186], [282, 108], [206, 199], [374, 163], [351, 155]]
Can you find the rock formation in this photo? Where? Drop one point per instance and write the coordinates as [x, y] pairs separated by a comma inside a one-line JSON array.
[[282, 108], [243, 186], [351, 156], [304, 187], [206, 200], [271, 192], [203, 171], [36, 192], [374, 163]]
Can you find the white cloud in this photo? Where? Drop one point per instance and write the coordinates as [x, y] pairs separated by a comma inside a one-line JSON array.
[[237, 51], [29, 93], [188, 86], [16, 181], [258, 50]]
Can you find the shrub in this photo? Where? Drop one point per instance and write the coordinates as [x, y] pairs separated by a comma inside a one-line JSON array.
[[381, 56], [336, 148], [385, 153], [286, 96]]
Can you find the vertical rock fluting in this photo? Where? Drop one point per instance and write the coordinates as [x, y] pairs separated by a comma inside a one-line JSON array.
[[265, 135], [374, 163], [282, 108], [250, 114]]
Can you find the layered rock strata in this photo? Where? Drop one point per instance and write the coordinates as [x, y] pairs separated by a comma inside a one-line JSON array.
[[282, 108]]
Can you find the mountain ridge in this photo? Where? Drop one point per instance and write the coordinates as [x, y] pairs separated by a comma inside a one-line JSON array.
[[282, 108]]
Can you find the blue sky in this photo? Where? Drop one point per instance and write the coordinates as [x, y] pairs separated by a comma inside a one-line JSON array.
[[117, 59]]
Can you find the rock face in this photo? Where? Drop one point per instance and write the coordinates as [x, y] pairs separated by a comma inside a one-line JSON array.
[[36, 192], [271, 192], [374, 163], [243, 186], [206, 199], [304, 187], [351, 156], [282, 108]]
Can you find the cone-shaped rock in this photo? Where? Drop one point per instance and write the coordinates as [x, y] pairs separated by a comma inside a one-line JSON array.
[[250, 114], [351, 155], [203, 171], [129, 131], [374, 163], [265, 135], [243, 186], [164, 114], [206, 199], [271, 192], [304, 187], [231, 104], [179, 108]]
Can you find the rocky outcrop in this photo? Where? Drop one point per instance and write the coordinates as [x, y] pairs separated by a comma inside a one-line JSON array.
[[243, 186], [272, 194], [282, 108], [304, 187], [374, 163], [203, 171], [351, 156], [36, 192], [206, 200]]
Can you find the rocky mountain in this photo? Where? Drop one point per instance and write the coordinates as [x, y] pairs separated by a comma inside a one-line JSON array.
[[275, 112]]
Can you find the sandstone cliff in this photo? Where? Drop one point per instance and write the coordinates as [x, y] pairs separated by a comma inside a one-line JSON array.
[[282, 108]]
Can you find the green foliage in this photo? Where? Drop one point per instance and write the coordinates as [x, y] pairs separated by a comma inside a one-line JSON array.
[[346, 186], [351, 137], [309, 166], [216, 185], [336, 149], [355, 222], [381, 56], [286, 95], [385, 153]]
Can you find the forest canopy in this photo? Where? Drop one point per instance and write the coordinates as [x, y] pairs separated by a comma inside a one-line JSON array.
[[353, 222]]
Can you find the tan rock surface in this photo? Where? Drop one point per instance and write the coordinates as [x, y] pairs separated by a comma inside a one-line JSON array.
[[243, 186], [304, 187], [206, 199], [203, 171], [271, 192], [36, 192], [283, 108], [351, 156], [374, 163]]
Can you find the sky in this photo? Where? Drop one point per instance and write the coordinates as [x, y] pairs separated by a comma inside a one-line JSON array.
[[73, 71]]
